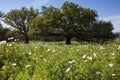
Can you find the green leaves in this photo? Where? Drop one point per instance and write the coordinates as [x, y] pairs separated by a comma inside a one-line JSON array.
[[20, 18], [56, 61], [70, 21]]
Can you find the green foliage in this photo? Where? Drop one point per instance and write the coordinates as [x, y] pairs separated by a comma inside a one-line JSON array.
[[19, 19], [56, 61], [48, 23], [76, 20], [99, 32], [69, 21], [3, 33], [103, 31], [15, 34], [36, 26]]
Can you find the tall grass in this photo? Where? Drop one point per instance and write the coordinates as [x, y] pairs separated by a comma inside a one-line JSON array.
[[56, 61]]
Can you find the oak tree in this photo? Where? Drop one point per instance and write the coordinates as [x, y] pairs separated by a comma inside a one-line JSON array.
[[19, 19]]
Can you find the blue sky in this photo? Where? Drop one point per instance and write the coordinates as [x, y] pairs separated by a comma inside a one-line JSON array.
[[108, 10]]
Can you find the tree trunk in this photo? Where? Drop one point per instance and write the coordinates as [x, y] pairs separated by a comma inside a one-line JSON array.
[[68, 40], [26, 39]]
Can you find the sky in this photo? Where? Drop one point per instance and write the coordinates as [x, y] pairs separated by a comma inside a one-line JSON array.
[[108, 10]]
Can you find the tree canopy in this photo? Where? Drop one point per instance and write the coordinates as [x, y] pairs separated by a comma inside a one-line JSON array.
[[47, 23], [76, 20], [70, 21], [102, 31], [19, 19]]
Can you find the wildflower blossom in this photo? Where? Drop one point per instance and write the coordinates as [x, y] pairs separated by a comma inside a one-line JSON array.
[[14, 64], [70, 62], [94, 54], [113, 54], [53, 51], [67, 70], [30, 53], [27, 66], [84, 56], [97, 72], [36, 58], [48, 50], [110, 65], [56, 66], [118, 47], [44, 59], [113, 74], [9, 44], [16, 40], [90, 58], [3, 67], [33, 58]]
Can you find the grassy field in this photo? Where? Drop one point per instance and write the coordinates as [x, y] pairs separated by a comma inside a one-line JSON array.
[[56, 61]]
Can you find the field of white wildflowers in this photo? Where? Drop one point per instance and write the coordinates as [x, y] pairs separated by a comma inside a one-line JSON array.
[[56, 61]]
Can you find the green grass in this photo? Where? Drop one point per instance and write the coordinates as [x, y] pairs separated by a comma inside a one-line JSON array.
[[56, 61]]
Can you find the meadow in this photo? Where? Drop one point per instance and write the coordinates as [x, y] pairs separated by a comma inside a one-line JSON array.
[[57, 61]]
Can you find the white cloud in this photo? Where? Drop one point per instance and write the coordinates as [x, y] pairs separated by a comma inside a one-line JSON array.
[[4, 24], [115, 21], [110, 18]]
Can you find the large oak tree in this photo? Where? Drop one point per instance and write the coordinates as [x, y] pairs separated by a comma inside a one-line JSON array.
[[76, 20], [72, 21], [69, 21], [19, 19]]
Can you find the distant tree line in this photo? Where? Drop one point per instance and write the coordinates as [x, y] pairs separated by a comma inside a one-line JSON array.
[[69, 22]]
